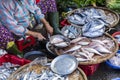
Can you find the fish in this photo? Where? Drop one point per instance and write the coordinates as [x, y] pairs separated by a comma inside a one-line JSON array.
[[62, 44], [82, 59], [73, 48], [76, 39], [92, 50], [56, 40], [97, 41], [83, 43], [96, 25], [94, 34], [101, 48], [83, 54]]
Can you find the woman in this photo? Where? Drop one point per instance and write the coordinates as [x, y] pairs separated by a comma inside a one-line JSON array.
[[15, 17], [49, 8]]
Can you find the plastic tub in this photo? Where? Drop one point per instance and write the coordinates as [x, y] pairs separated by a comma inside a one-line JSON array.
[[116, 33], [111, 65]]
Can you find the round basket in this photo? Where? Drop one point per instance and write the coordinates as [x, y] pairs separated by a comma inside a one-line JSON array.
[[106, 10], [98, 58], [38, 68]]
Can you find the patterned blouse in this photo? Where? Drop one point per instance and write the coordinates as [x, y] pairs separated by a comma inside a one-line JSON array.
[[14, 15]]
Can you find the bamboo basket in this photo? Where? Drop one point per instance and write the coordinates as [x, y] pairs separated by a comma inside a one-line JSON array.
[[99, 58], [38, 68], [107, 11]]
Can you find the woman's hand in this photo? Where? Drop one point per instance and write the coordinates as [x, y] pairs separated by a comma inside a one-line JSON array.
[[47, 26], [37, 35]]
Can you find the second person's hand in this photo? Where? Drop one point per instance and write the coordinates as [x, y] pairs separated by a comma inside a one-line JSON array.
[[37, 35]]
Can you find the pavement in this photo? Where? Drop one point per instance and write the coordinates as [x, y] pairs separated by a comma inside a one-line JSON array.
[[104, 72]]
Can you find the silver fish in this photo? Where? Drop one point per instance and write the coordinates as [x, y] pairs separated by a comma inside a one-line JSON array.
[[91, 50], [76, 39], [62, 44], [82, 59], [101, 48], [97, 33], [73, 48]]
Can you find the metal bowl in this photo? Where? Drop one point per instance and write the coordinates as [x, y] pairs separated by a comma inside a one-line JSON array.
[[64, 64]]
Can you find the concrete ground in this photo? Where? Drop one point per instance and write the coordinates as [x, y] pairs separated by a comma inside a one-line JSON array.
[[104, 72]]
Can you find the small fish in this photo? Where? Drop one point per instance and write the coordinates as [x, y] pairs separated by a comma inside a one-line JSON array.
[[83, 54], [56, 40], [101, 48], [91, 50], [83, 43], [76, 39], [97, 33], [73, 48], [82, 59], [61, 44]]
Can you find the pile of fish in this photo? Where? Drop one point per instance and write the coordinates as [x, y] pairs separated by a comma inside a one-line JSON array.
[[117, 37], [44, 75], [2, 52], [59, 41], [6, 70], [115, 60], [71, 31], [92, 21], [84, 49]]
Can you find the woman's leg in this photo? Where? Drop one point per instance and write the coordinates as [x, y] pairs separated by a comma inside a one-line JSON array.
[[47, 6]]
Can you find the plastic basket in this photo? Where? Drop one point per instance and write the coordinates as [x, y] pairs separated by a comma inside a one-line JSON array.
[[111, 65]]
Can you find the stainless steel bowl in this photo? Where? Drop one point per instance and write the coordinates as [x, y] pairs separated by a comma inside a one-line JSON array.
[[64, 64]]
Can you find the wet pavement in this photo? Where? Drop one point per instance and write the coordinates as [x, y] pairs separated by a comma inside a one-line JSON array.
[[104, 72]]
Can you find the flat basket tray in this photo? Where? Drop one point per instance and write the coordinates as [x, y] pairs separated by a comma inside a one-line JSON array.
[[38, 68], [98, 58], [106, 10]]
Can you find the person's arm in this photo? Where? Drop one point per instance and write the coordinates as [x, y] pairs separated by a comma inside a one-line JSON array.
[[40, 17], [10, 23]]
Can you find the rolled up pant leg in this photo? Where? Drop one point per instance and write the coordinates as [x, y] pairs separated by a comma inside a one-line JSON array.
[[5, 37]]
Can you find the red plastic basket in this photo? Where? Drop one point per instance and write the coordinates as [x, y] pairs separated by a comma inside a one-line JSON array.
[[30, 41], [13, 59], [89, 69], [116, 33]]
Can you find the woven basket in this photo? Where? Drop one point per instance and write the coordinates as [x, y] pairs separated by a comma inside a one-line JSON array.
[[114, 14], [38, 68], [99, 58]]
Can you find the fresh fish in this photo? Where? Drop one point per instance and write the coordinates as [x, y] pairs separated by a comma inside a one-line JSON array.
[[76, 39], [101, 48], [86, 27], [71, 35], [91, 50], [83, 43], [56, 40], [83, 54], [82, 59], [97, 33], [62, 44], [77, 17], [96, 25], [73, 48], [65, 33], [97, 41]]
